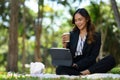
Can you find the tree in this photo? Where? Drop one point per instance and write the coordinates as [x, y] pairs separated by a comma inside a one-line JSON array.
[[116, 12], [24, 37], [12, 57], [38, 31]]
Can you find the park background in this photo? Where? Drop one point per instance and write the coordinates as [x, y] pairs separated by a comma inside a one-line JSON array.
[[29, 28]]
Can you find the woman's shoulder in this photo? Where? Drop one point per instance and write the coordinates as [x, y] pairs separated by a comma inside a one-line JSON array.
[[97, 35]]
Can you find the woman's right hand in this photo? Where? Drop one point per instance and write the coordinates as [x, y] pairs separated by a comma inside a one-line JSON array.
[[65, 39]]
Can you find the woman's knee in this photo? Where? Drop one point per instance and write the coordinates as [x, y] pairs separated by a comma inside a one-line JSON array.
[[59, 70], [111, 60]]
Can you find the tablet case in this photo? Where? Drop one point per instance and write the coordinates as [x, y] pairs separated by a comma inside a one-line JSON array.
[[61, 57]]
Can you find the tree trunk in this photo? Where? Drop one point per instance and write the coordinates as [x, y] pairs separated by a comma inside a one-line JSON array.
[[103, 38], [13, 37], [38, 32], [116, 12], [23, 39], [37, 44]]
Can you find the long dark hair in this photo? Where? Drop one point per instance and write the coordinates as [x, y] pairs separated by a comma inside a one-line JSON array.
[[90, 26]]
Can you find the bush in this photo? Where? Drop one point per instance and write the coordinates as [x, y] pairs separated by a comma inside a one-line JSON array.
[[115, 70]]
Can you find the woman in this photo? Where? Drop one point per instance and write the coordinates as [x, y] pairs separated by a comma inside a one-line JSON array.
[[84, 46]]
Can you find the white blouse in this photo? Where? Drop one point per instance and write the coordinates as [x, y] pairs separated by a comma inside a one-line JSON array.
[[80, 45]]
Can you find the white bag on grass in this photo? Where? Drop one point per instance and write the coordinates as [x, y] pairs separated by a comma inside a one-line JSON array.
[[36, 68]]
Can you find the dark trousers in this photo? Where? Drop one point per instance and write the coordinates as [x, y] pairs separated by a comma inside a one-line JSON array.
[[102, 66]]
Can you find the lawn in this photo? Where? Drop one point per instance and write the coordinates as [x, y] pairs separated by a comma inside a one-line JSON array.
[[22, 77], [15, 76]]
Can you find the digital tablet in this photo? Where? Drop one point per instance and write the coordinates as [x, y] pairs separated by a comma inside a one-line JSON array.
[[61, 56]]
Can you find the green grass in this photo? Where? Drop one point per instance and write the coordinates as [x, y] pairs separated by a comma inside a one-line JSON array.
[[14, 76], [37, 78]]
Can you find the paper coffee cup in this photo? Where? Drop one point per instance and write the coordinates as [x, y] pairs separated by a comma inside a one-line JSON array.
[[67, 36]]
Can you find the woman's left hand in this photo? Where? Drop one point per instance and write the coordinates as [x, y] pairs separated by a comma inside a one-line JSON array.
[[75, 65]]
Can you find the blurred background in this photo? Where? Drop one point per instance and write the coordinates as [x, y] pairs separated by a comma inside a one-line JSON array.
[[29, 28]]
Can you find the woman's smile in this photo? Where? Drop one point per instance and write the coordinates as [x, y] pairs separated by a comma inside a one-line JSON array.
[[80, 21]]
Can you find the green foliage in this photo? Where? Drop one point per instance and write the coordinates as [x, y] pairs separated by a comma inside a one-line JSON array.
[[116, 70], [105, 23]]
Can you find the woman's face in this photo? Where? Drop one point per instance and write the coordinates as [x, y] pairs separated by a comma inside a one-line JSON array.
[[80, 21]]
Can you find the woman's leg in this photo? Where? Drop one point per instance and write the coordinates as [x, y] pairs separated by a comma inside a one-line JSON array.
[[104, 65], [64, 70]]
